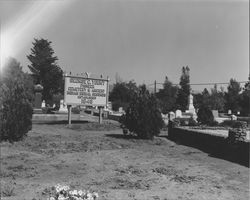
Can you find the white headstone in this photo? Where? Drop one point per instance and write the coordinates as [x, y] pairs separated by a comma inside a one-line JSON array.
[[43, 104], [178, 113], [171, 115], [229, 112], [238, 113], [215, 113], [63, 107], [233, 117]]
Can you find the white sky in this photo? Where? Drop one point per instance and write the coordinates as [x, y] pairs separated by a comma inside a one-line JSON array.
[[140, 40]]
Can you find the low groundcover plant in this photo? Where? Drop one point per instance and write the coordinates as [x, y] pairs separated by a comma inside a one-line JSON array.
[[61, 192]]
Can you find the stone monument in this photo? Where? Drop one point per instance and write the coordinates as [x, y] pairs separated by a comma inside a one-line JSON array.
[[191, 108], [38, 99], [178, 114]]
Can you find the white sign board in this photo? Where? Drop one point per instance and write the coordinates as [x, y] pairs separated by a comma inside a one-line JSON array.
[[85, 91]]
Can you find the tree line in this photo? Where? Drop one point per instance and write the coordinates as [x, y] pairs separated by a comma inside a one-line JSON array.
[[172, 97]]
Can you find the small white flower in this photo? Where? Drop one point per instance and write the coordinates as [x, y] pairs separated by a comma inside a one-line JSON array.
[[80, 192], [74, 192], [95, 194], [61, 197]]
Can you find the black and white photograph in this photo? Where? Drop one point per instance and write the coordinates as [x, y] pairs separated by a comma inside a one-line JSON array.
[[124, 100]]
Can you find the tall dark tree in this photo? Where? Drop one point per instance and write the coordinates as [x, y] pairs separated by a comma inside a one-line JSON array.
[[167, 96], [232, 96], [245, 100], [45, 69], [184, 90], [143, 116], [122, 94], [213, 101], [16, 89]]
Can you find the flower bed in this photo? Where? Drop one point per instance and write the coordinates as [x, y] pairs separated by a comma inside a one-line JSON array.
[[61, 192]]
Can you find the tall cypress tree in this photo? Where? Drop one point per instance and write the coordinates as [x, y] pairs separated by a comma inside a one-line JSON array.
[[45, 69], [16, 98], [184, 90]]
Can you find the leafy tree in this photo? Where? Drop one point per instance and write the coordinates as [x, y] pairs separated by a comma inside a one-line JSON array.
[[45, 69], [232, 96], [16, 89], [213, 101], [245, 100], [143, 116], [167, 96], [184, 90], [122, 94], [216, 100]]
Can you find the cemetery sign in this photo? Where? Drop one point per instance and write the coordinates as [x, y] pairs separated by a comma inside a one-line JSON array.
[[85, 91]]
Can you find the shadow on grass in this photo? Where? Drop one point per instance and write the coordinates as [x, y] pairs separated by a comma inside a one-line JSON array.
[[122, 136], [236, 153], [61, 122]]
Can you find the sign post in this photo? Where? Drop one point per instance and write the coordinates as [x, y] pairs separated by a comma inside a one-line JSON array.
[[85, 91], [100, 114], [69, 114]]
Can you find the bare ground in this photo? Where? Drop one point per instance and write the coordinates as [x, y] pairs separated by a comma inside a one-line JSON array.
[[100, 158]]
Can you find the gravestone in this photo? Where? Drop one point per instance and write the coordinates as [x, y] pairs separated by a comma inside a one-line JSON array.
[[171, 115], [43, 104], [178, 113], [120, 110], [63, 107], [164, 118], [109, 106], [233, 117], [229, 112], [215, 113], [38, 99]]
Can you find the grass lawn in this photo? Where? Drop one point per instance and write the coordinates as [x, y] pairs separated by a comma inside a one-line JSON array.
[[99, 158]]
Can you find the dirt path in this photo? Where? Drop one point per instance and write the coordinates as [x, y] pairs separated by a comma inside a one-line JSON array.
[[99, 158]]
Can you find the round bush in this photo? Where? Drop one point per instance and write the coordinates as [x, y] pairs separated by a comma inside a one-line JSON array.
[[143, 116], [205, 116]]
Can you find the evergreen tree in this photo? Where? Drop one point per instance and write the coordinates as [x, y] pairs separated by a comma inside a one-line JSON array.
[[245, 100], [122, 94], [16, 89], [143, 116], [184, 90], [232, 97], [45, 69]]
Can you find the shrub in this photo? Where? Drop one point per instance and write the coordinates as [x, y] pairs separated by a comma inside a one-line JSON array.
[[76, 110], [143, 116], [117, 104], [205, 116], [192, 122], [16, 89], [233, 124]]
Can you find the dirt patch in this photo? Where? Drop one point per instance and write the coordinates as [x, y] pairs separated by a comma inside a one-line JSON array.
[[101, 159]]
